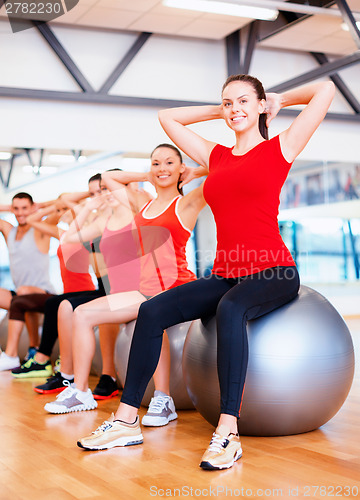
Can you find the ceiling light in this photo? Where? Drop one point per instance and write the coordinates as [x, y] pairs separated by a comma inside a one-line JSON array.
[[62, 158], [36, 170], [5, 155], [229, 9], [345, 27]]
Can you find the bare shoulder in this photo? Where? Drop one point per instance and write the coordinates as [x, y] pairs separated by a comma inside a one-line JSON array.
[[5, 228]]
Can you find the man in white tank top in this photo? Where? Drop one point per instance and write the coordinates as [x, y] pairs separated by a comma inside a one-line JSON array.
[[29, 267]]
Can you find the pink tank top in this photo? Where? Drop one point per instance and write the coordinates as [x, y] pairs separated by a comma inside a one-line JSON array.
[[121, 254]]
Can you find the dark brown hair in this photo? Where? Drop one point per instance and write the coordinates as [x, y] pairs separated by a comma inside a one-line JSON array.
[[23, 195], [260, 92], [177, 151]]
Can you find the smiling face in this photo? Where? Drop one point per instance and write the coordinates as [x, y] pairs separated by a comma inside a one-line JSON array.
[[109, 198], [21, 208], [166, 167], [241, 106]]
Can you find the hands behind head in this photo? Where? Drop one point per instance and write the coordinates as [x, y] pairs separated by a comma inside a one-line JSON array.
[[272, 106]]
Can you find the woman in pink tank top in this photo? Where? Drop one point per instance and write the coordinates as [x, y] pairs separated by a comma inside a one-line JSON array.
[[160, 228]]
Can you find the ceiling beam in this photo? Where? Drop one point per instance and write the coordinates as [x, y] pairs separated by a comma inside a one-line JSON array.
[[339, 82], [97, 98], [232, 43], [124, 63], [63, 55], [285, 20], [349, 20], [324, 70], [250, 47]]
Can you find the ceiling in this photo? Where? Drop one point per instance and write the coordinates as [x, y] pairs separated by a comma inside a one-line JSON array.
[[317, 33]]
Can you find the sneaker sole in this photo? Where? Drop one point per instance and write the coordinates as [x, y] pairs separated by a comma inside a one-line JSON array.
[[49, 391], [59, 409], [39, 374], [113, 444], [209, 466], [158, 423], [100, 398]]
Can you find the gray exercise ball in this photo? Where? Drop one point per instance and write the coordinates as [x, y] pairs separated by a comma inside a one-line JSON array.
[[301, 367], [24, 338], [96, 363], [177, 335]]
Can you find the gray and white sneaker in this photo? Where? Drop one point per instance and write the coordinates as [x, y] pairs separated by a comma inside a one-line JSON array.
[[71, 399], [161, 410]]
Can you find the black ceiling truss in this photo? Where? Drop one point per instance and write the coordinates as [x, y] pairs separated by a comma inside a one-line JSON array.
[[325, 69], [5, 180], [36, 165], [235, 64], [349, 20], [124, 63], [63, 55], [340, 84], [233, 53], [286, 19]]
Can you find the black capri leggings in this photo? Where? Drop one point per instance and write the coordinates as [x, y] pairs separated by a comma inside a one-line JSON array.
[[234, 301], [50, 326]]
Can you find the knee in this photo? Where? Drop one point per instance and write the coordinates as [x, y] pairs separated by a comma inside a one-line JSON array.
[[228, 308], [24, 290], [147, 312], [17, 309], [82, 315]]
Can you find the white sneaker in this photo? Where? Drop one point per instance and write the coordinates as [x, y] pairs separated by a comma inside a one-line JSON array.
[[71, 399], [8, 362], [161, 410]]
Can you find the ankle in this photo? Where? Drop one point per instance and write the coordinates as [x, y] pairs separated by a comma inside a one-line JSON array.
[[41, 358]]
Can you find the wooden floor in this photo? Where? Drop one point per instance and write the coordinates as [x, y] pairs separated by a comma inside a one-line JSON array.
[[39, 458]]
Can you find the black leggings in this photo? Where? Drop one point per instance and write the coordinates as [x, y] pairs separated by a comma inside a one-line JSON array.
[[234, 301], [50, 326]]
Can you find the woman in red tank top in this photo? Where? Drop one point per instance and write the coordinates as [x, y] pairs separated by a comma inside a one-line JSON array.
[[253, 271], [161, 228]]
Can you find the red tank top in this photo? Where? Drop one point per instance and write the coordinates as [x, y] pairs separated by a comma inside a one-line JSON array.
[[243, 193], [163, 246], [74, 267], [121, 255]]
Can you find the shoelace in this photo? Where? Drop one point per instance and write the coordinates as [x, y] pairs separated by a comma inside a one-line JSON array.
[[157, 404], [103, 427], [66, 393], [217, 443]]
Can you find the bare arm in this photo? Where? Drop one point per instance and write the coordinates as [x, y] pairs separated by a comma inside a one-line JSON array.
[[174, 121], [118, 180], [317, 97], [48, 226], [77, 233], [5, 228], [71, 199], [5, 208]]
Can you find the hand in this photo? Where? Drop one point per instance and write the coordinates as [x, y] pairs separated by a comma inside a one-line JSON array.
[[272, 106], [189, 174], [150, 178], [96, 202]]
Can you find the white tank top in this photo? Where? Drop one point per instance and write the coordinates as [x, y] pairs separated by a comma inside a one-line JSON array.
[[28, 266]]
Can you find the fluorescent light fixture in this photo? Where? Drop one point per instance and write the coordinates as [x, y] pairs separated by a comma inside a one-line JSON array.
[[5, 155], [345, 27], [35, 170], [62, 158], [228, 9]]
